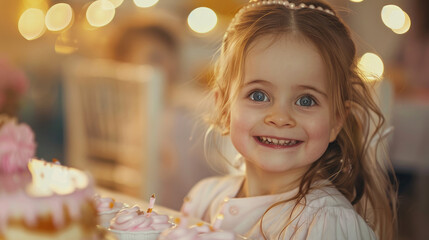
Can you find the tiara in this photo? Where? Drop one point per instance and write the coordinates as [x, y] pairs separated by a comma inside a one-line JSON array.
[[293, 6], [254, 3]]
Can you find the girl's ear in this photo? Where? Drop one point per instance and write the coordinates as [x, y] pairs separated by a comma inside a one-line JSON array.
[[339, 122]]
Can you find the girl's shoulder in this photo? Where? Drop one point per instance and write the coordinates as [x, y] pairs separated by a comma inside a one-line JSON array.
[[328, 211], [327, 196], [323, 214]]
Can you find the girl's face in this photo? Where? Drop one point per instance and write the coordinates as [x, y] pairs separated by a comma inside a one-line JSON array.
[[280, 120]]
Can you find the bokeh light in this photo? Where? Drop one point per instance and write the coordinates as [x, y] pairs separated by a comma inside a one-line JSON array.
[[405, 27], [372, 66], [59, 17], [145, 3], [393, 16], [100, 13], [202, 20], [356, 1], [31, 23]]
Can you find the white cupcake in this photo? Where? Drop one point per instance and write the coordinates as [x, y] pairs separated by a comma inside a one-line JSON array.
[[107, 209], [134, 224]]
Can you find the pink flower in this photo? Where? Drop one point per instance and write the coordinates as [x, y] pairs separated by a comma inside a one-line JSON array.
[[17, 146]]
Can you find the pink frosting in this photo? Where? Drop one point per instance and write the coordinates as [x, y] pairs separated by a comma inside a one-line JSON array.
[[202, 232], [134, 220], [105, 204], [17, 147]]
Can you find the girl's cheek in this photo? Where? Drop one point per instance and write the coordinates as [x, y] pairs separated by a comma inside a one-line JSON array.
[[319, 128]]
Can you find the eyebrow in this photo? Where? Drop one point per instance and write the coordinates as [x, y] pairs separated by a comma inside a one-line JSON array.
[[259, 81], [312, 88]]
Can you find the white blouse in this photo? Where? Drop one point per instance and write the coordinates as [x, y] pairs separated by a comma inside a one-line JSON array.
[[326, 215]]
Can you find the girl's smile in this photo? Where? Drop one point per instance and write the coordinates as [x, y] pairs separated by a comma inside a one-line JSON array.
[[276, 142]]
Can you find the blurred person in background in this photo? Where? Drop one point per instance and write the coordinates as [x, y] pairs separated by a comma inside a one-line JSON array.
[[156, 40], [410, 118], [412, 66], [13, 86]]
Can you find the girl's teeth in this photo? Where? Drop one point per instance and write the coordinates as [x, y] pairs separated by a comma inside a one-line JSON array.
[[277, 141]]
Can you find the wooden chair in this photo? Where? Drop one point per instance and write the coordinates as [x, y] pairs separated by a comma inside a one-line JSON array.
[[113, 113]]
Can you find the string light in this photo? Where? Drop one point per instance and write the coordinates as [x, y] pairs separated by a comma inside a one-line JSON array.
[[31, 23], [100, 13], [372, 66], [59, 17], [405, 27], [393, 16], [202, 20]]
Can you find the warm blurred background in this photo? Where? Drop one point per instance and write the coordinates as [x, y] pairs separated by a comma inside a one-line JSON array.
[[94, 114]]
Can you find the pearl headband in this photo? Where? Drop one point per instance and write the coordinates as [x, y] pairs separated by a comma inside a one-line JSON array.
[[254, 3]]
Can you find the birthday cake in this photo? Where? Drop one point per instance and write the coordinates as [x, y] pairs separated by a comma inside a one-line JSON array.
[[46, 201]]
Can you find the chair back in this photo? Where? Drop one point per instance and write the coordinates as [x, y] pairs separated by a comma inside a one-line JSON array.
[[113, 112]]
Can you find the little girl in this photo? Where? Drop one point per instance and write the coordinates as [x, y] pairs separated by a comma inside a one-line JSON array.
[[289, 94]]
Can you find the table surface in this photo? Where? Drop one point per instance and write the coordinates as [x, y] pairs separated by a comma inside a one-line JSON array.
[[143, 204]]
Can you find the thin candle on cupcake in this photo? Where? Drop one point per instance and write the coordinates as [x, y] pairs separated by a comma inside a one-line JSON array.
[[151, 205]]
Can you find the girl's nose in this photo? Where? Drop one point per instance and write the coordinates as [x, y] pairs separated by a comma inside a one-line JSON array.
[[280, 117]]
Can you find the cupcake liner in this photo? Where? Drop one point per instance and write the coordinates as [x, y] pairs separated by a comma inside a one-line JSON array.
[[143, 235]]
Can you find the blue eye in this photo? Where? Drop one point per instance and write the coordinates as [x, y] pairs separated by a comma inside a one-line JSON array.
[[306, 101], [258, 96]]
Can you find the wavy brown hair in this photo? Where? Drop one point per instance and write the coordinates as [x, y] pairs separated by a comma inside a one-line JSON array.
[[355, 162]]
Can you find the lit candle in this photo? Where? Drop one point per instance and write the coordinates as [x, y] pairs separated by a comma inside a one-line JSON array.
[[219, 218], [218, 222], [185, 213], [151, 205], [56, 161]]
